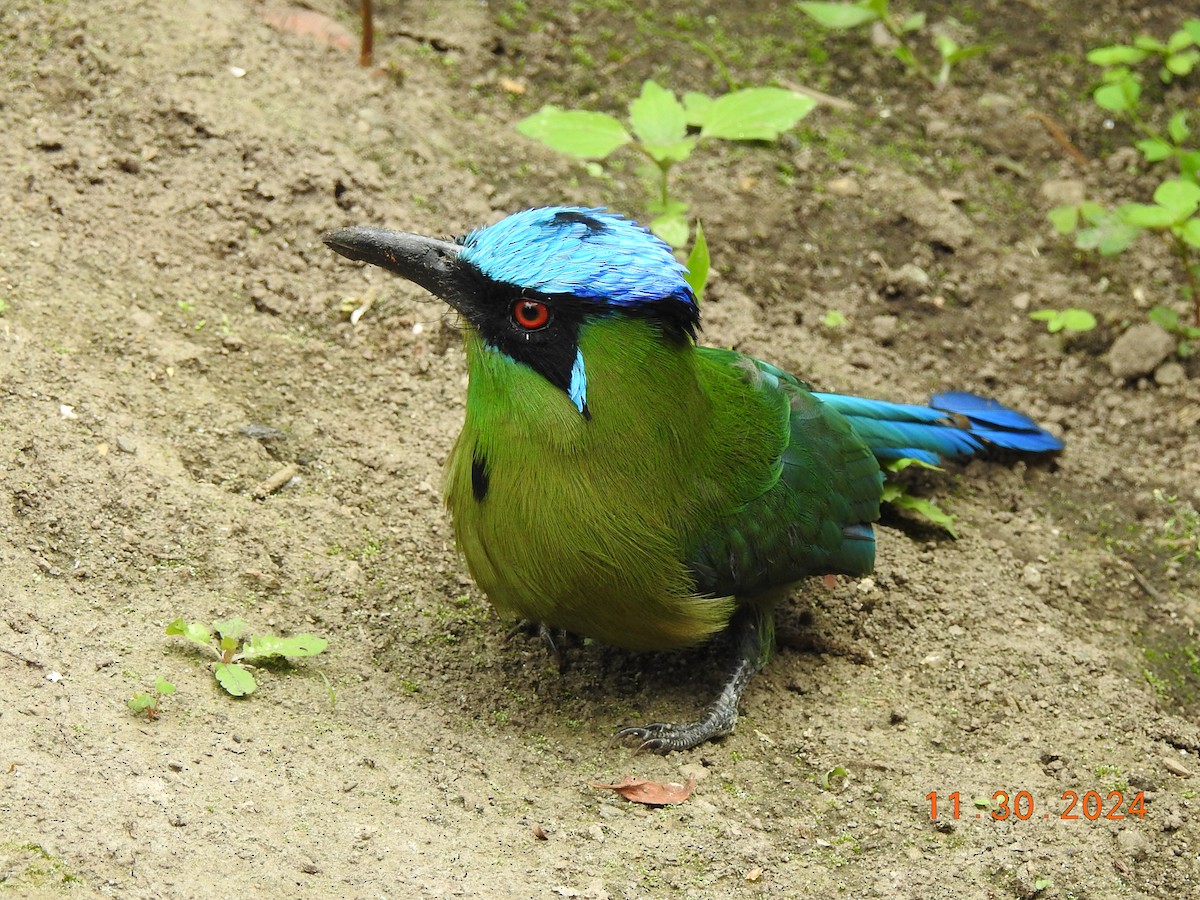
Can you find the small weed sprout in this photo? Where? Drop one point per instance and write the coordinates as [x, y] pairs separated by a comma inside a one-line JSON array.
[[235, 657], [1175, 212], [1070, 320], [666, 131], [844, 16], [147, 704], [898, 496]]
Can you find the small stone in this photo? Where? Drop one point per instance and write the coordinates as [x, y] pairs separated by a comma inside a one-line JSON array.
[[1175, 767], [596, 833], [1169, 373], [1020, 302], [844, 186], [1064, 191], [910, 280], [1133, 844], [1140, 350], [884, 328], [1172, 822], [1030, 576]]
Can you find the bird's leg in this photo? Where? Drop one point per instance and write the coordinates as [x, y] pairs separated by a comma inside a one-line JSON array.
[[529, 627], [755, 635]]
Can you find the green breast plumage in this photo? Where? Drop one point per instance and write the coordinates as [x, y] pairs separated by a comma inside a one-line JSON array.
[[638, 526]]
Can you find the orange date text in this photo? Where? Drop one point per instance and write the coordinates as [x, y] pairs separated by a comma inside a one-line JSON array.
[[1020, 806]]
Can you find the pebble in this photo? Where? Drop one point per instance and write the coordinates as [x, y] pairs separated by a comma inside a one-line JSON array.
[[1140, 350], [1175, 767], [1031, 576], [884, 328], [1169, 373], [1133, 844], [845, 186], [1064, 191]]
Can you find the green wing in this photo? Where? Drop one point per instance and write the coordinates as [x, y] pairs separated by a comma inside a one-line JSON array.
[[812, 512]]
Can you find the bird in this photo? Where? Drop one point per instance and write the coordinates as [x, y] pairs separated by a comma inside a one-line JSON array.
[[617, 480]]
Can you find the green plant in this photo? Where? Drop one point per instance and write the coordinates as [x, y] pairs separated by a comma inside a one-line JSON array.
[[1169, 320], [833, 319], [843, 16], [1174, 212], [1064, 319], [147, 703], [235, 656], [898, 496], [666, 131]]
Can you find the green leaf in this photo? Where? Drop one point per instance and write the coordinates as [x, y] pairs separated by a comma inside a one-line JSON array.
[[1164, 317], [834, 319], [1181, 64], [696, 106], [839, 15], [576, 132], [671, 153], [264, 645], [1190, 232], [1064, 320], [1145, 42], [672, 228], [1119, 96], [1064, 218], [1192, 27], [698, 264], [915, 22], [162, 686], [140, 702], [1108, 235], [1177, 127], [906, 56], [905, 462], [1178, 195], [1189, 164], [946, 45], [1153, 149], [1180, 40], [755, 114], [1092, 212], [964, 53], [1077, 320], [657, 117], [926, 508], [193, 631], [236, 679], [1118, 55], [1143, 215], [230, 629]]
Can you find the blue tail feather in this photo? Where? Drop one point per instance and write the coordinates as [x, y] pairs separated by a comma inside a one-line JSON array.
[[955, 425]]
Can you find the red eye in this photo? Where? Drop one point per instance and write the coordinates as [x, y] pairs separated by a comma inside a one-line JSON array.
[[531, 314]]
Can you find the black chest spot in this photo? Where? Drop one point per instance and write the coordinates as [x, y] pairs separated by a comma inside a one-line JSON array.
[[479, 476]]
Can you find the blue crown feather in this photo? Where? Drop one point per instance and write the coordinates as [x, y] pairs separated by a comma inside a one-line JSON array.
[[587, 252]]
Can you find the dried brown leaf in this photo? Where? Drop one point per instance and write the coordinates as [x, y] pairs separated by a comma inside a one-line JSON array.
[[651, 793], [311, 24]]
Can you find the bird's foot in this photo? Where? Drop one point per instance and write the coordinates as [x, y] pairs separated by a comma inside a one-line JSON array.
[[667, 737], [548, 636], [755, 630]]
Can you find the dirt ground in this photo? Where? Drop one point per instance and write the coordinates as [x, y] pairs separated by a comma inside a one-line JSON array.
[[173, 332]]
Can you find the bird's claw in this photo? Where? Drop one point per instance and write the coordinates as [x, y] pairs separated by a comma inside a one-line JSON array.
[[660, 737], [547, 635]]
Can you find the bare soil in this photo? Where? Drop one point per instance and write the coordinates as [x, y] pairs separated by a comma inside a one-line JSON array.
[[173, 333]]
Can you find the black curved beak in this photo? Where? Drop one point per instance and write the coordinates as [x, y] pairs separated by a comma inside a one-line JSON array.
[[429, 262]]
